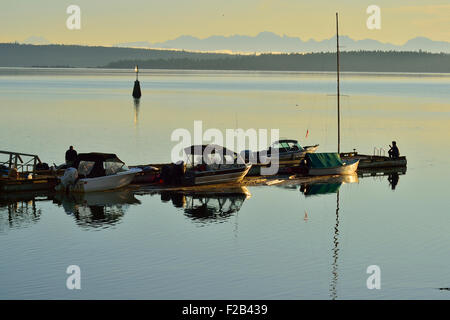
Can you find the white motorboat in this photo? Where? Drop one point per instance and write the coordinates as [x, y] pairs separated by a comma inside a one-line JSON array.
[[289, 149], [211, 164], [97, 172], [286, 149]]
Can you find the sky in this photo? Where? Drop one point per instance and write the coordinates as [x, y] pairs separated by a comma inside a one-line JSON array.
[[106, 22]]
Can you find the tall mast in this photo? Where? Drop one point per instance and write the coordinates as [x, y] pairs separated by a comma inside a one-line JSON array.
[[338, 93]]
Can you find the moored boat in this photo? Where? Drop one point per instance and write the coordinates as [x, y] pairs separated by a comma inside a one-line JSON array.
[[97, 172], [212, 164], [322, 164], [286, 150]]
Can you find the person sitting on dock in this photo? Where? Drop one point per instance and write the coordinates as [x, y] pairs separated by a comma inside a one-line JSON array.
[[393, 151], [71, 156]]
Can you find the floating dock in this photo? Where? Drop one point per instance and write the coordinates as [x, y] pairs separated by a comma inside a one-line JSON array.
[[23, 184], [367, 161], [289, 170], [27, 175]]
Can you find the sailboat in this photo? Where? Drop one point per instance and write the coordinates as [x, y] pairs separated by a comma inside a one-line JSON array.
[[320, 164]]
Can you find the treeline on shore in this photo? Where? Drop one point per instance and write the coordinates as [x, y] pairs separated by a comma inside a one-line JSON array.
[[52, 55], [22, 55], [358, 61]]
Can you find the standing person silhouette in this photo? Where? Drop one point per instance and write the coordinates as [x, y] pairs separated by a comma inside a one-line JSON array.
[[71, 156], [393, 151]]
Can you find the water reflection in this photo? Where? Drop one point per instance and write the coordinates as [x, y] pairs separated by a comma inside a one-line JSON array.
[[96, 209], [393, 175], [208, 206], [335, 249], [331, 186], [328, 186], [136, 103], [393, 180], [318, 189], [19, 209]]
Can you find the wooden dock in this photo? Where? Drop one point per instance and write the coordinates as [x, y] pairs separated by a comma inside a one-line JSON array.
[[34, 184], [15, 160], [289, 170], [26, 174], [375, 161]]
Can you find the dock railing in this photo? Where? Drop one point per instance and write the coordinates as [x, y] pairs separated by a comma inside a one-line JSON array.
[[379, 152], [15, 161]]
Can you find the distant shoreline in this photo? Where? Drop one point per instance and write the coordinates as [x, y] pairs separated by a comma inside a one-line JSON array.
[[333, 72], [67, 56], [352, 61]]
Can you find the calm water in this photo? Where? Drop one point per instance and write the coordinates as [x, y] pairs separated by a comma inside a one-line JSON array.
[[256, 243]]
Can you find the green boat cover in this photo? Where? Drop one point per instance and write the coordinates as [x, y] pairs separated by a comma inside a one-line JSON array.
[[323, 160], [322, 188]]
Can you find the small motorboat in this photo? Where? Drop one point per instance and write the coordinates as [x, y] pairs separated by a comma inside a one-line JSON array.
[[286, 149], [210, 164], [322, 164], [96, 172], [148, 175]]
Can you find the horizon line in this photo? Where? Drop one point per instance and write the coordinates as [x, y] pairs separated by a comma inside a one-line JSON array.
[[230, 36]]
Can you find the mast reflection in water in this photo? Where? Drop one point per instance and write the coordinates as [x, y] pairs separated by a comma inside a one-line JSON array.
[[330, 187]]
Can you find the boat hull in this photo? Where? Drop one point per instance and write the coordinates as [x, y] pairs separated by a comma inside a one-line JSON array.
[[295, 155], [311, 149], [111, 182], [348, 168], [221, 176]]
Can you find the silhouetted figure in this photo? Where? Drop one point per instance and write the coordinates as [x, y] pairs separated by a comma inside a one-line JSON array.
[[393, 180], [71, 156], [393, 151]]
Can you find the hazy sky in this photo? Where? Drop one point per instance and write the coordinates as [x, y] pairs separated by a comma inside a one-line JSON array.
[[106, 22]]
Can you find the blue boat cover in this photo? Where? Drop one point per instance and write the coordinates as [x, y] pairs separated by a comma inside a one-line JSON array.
[[323, 160]]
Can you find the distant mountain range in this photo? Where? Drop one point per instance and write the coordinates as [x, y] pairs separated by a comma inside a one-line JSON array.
[[36, 40], [271, 42]]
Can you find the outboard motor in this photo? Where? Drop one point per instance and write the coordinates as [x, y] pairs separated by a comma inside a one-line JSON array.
[[70, 177]]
